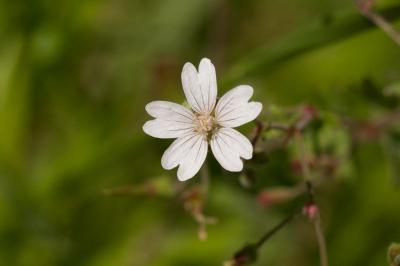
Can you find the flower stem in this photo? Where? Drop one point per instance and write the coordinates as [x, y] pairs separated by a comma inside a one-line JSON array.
[[365, 9], [257, 132], [249, 253], [275, 229], [321, 240], [315, 219]]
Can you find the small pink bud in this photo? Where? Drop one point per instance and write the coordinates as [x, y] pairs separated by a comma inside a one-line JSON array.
[[364, 5], [309, 111], [310, 210]]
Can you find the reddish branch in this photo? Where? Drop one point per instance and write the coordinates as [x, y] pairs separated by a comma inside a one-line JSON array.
[[249, 252]]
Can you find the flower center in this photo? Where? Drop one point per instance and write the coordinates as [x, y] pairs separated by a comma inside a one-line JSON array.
[[205, 123]]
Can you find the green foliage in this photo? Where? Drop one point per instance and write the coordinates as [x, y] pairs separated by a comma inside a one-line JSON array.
[[75, 77]]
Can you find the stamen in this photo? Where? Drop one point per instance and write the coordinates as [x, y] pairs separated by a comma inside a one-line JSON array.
[[205, 124]]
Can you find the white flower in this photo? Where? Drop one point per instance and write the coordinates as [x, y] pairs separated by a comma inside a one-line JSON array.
[[203, 124]]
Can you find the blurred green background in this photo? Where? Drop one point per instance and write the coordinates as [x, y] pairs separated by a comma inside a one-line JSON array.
[[75, 77]]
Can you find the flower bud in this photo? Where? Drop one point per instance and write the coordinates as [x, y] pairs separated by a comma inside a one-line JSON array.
[[310, 210], [245, 256]]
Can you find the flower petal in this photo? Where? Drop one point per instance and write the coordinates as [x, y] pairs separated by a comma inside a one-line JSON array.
[[200, 88], [208, 82], [169, 111], [175, 152], [237, 141], [164, 129], [233, 109], [194, 160], [189, 152], [228, 145]]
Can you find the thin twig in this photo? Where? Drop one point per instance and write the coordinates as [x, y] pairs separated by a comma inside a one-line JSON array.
[[365, 8], [256, 135], [277, 126], [249, 252], [303, 161], [198, 213], [321, 240], [315, 218], [260, 127], [275, 229]]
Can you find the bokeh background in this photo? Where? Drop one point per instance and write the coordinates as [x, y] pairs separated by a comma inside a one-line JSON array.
[[75, 77]]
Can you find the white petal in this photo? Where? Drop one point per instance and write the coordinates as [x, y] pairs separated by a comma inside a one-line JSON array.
[[208, 82], [163, 129], [239, 94], [169, 111], [189, 152], [242, 114], [235, 140], [194, 160], [177, 150], [228, 146], [233, 109], [191, 86], [200, 88]]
